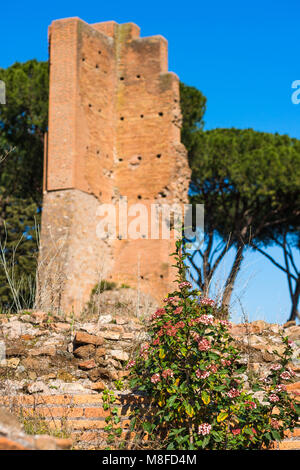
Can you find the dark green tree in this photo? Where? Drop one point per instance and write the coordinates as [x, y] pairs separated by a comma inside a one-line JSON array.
[[23, 122], [249, 182], [193, 106]]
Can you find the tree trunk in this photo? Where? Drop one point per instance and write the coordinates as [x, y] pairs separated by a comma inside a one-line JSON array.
[[295, 300], [229, 285]]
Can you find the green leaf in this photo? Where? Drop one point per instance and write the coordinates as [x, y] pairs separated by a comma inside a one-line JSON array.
[[205, 441], [205, 397], [276, 435], [222, 416]]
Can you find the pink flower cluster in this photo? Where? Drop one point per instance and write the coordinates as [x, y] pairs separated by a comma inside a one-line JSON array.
[[185, 285], [207, 301], [225, 362], [225, 323], [158, 313], [155, 378], [203, 344], [285, 375], [291, 371], [275, 367], [233, 393], [273, 398], [280, 388], [195, 335], [251, 404], [171, 300], [236, 431], [180, 324], [144, 350], [130, 364], [204, 429], [213, 368], [167, 373], [205, 320], [202, 374], [170, 329], [274, 423], [178, 310]]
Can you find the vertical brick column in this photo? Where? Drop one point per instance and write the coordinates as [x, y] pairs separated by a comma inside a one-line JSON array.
[[114, 132]]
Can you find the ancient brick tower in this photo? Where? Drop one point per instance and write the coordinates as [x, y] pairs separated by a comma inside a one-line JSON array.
[[114, 131]]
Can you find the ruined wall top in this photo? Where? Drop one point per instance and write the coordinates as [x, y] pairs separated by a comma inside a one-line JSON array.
[[114, 108]]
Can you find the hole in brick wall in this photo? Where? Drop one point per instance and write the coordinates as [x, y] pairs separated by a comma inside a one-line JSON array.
[[160, 113], [175, 101], [139, 196], [99, 110], [90, 105], [98, 151], [97, 66], [122, 118], [142, 277], [161, 276], [142, 116], [158, 155], [121, 78], [138, 76], [120, 159], [87, 147], [139, 157], [99, 52], [83, 59]]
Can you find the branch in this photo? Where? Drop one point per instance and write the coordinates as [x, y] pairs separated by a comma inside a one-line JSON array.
[[273, 261]]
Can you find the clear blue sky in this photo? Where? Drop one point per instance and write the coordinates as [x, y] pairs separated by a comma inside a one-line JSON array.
[[243, 57]]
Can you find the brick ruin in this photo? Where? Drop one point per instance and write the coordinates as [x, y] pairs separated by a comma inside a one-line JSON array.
[[114, 132]]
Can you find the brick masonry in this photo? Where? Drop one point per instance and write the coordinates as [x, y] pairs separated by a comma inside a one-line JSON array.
[[83, 416], [114, 132]]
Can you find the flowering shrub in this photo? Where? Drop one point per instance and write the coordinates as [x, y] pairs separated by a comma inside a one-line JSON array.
[[190, 371]]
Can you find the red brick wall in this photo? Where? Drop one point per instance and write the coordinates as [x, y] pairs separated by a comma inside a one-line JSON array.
[[83, 416], [114, 131]]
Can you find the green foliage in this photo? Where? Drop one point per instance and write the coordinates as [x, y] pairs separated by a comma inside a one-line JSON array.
[[23, 122], [103, 286], [248, 180], [249, 183], [125, 286], [193, 105], [113, 427], [190, 371]]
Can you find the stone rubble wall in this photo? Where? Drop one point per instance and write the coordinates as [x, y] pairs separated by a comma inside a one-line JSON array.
[[82, 416], [55, 368]]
